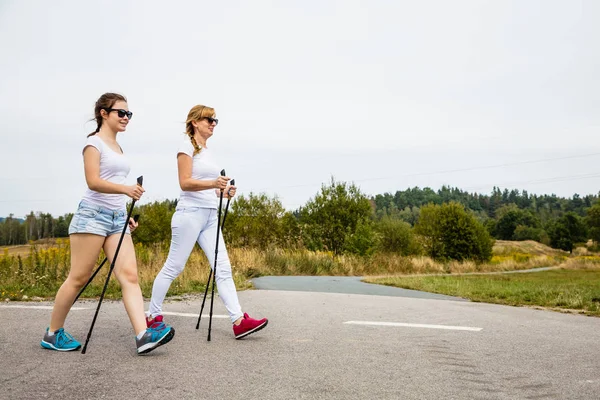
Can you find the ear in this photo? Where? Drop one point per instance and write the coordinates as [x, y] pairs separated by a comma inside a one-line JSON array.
[[103, 114], [195, 124]]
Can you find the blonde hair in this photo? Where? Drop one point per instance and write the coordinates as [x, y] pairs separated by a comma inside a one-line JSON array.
[[197, 113]]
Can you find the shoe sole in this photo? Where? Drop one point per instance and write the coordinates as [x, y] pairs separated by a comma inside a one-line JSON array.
[[165, 339], [50, 346], [258, 328]]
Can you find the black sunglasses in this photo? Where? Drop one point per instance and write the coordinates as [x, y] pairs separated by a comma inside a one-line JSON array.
[[211, 120], [120, 112]]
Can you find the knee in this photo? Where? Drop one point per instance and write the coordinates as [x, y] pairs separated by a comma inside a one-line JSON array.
[[77, 281], [128, 275], [170, 270]]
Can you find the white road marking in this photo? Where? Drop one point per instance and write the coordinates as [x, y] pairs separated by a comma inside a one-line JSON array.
[[181, 314], [449, 327], [38, 307]]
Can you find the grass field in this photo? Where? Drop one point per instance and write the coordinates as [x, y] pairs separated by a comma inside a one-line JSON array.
[[575, 288], [38, 269]]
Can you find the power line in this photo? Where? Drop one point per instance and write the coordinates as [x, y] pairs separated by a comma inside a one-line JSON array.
[[448, 171], [489, 166], [545, 180], [396, 176]]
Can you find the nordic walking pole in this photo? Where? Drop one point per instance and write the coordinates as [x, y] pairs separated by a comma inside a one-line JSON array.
[[227, 205], [112, 266], [91, 279], [211, 271], [212, 296], [210, 274], [204, 299], [135, 218]]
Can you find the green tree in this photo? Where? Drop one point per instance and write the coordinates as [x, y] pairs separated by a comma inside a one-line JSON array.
[[333, 215], [510, 217], [30, 228], [155, 222], [490, 226], [257, 221], [523, 232], [566, 231], [364, 241], [292, 235], [396, 236], [593, 222], [449, 232], [61, 227], [13, 231], [410, 215]]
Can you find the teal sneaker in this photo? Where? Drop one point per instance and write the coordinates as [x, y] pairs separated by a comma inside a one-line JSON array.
[[154, 337], [61, 341]]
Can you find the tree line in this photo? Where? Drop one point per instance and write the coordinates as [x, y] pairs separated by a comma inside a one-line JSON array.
[[546, 207], [35, 226], [508, 215], [445, 224]]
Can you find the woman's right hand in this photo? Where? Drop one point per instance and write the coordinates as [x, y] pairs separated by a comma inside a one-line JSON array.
[[134, 191], [221, 182]]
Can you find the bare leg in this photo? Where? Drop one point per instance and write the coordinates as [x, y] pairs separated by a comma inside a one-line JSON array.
[[85, 249], [126, 273]]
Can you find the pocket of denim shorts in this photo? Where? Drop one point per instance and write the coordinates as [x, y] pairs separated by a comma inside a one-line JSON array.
[[88, 212], [121, 221]]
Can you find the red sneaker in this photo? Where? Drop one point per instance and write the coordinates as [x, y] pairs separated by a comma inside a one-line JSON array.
[[248, 326], [153, 322]]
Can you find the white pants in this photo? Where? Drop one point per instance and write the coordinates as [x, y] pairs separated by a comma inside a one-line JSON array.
[[188, 226]]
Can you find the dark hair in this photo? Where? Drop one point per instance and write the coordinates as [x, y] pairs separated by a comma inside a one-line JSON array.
[[107, 100]]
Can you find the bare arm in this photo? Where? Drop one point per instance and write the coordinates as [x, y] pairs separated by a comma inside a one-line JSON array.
[[188, 184], [91, 163]]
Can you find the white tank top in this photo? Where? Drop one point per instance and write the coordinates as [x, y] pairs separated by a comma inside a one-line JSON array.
[[114, 167], [204, 167]]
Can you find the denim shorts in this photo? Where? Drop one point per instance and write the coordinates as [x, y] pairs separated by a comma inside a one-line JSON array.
[[98, 220]]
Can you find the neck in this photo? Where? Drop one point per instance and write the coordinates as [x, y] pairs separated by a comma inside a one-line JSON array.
[[200, 140], [108, 133]]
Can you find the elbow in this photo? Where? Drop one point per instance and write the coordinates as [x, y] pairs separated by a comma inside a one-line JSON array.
[[93, 185]]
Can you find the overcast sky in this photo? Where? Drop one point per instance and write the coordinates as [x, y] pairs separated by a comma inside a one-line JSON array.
[[388, 94]]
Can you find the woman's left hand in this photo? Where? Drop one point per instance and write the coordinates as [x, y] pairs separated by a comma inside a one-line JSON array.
[[132, 224], [228, 192]]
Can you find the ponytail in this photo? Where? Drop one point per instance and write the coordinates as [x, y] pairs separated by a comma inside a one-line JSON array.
[[107, 100]]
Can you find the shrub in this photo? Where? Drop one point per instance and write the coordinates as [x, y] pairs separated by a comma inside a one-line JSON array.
[[449, 232]]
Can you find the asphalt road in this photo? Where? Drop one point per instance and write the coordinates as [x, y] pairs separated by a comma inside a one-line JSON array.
[[340, 284], [310, 351]]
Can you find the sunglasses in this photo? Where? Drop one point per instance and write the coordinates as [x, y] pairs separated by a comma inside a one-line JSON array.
[[211, 120], [120, 112]]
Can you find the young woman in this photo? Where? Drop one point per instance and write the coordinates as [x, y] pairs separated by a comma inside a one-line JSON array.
[[98, 224], [195, 220]]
